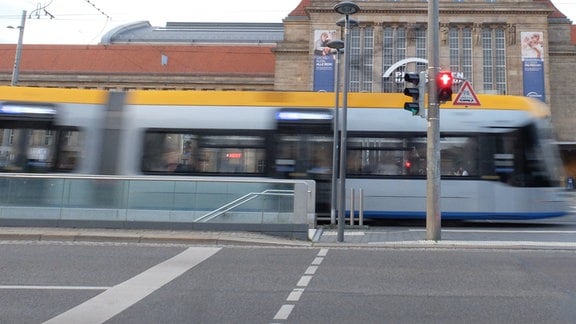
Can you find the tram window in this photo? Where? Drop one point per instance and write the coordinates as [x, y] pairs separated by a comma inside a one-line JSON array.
[[39, 150], [386, 156], [459, 156], [203, 153]]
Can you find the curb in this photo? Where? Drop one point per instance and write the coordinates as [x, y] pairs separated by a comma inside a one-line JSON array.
[[144, 236], [253, 239]]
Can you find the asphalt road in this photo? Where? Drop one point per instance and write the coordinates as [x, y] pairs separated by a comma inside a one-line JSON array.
[[91, 282]]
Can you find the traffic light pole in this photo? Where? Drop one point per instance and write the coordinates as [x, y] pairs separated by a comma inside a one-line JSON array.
[[433, 216]]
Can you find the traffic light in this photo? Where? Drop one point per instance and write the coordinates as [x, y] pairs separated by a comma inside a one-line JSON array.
[[416, 107], [444, 82]]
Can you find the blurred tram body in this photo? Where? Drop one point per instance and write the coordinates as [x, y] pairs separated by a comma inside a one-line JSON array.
[[498, 161]]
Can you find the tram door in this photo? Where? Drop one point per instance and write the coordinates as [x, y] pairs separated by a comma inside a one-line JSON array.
[[303, 150]]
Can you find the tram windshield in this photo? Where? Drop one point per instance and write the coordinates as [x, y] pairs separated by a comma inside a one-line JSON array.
[[39, 150], [30, 142]]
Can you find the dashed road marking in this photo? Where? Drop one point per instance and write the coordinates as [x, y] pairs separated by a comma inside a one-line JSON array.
[[295, 295], [311, 270], [304, 281], [284, 312]]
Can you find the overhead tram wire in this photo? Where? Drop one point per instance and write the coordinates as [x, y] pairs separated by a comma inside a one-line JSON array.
[[41, 11], [98, 9]]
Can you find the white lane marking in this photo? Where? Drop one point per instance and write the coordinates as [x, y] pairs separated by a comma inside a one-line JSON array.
[[53, 287], [495, 231], [284, 312], [478, 243], [311, 270], [116, 299], [333, 233], [322, 252], [304, 281], [317, 261], [295, 294]]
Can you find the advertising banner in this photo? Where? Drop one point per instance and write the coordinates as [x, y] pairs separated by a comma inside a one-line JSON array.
[[533, 64], [324, 61]]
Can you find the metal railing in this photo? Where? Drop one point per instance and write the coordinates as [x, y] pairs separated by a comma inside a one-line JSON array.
[[241, 201]]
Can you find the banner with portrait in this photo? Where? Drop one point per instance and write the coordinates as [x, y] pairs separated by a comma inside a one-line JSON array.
[[533, 64], [324, 61]]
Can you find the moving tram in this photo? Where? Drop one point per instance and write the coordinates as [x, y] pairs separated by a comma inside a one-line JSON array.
[[498, 160]]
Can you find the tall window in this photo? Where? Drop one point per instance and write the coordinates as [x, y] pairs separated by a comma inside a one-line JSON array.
[[494, 54], [420, 42], [500, 44], [361, 61], [460, 40], [393, 50]]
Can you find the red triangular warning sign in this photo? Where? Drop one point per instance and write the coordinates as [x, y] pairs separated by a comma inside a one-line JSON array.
[[466, 96]]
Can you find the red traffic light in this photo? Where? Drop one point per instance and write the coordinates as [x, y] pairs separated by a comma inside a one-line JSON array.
[[444, 81]]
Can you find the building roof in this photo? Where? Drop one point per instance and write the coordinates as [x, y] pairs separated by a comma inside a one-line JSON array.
[[556, 13], [196, 33], [139, 59], [300, 10], [139, 48]]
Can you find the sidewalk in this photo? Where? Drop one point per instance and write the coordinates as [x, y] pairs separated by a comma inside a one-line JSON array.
[[376, 237], [449, 238]]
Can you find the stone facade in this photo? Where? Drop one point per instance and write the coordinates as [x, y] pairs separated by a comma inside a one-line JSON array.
[[295, 64]]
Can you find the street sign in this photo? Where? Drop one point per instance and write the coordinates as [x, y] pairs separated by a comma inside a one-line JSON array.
[[466, 96]]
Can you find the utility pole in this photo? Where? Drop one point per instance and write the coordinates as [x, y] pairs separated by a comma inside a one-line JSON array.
[[433, 212], [16, 70]]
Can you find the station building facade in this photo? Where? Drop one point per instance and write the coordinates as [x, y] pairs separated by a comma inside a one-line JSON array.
[[488, 43], [515, 47]]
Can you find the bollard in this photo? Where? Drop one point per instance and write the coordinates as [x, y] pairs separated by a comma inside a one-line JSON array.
[[352, 207], [360, 207]]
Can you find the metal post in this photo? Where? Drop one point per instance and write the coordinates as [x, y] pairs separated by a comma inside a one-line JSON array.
[[346, 8], [337, 45], [433, 213], [335, 144], [16, 70], [343, 133]]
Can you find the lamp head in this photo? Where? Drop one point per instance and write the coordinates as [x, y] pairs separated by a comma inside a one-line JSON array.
[[346, 8]]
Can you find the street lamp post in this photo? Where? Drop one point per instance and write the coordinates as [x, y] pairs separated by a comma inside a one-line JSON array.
[[336, 45], [16, 69], [345, 8]]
